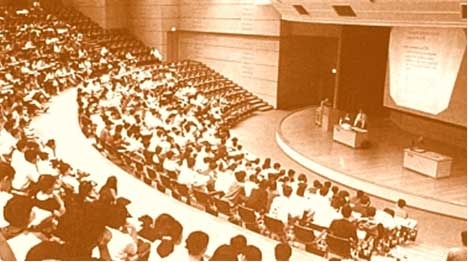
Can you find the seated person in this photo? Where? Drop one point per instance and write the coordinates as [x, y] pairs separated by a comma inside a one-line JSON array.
[[343, 227], [282, 252], [400, 210], [361, 120], [280, 207], [458, 253], [345, 122], [258, 199]]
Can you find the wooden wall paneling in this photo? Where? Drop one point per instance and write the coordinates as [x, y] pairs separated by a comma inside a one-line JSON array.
[[250, 61], [237, 17], [150, 20]]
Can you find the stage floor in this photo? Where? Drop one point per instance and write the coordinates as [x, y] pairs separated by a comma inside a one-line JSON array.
[[379, 168]]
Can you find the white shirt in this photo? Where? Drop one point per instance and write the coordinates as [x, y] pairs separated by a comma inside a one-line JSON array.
[[280, 208], [4, 198]]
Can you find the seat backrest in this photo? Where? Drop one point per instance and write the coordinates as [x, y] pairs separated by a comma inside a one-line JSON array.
[[201, 197], [166, 181], [247, 215], [274, 225], [223, 206], [304, 234], [151, 173], [339, 246], [182, 189]]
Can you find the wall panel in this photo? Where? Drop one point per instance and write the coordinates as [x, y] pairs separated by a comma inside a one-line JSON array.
[[251, 61], [150, 20], [229, 16]]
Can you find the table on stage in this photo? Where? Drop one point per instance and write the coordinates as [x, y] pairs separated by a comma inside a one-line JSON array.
[[428, 163], [353, 137]]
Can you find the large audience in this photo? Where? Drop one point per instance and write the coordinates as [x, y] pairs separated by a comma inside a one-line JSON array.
[[168, 124]]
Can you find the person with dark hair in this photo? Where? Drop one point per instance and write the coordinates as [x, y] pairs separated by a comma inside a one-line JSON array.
[[251, 253], [18, 213], [196, 245], [224, 253], [282, 252], [458, 253], [344, 227], [258, 199], [236, 193], [400, 209], [27, 172], [363, 205], [238, 243], [111, 184], [147, 231], [280, 207]]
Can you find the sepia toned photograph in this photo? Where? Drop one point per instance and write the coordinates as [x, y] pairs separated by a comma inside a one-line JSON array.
[[233, 130]]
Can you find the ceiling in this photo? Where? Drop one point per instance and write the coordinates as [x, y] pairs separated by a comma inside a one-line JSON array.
[[438, 13]]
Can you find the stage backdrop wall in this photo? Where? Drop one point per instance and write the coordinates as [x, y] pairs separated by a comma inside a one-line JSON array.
[[362, 68], [427, 73], [308, 53]]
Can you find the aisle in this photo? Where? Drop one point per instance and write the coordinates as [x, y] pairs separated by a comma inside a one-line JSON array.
[[61, 124]]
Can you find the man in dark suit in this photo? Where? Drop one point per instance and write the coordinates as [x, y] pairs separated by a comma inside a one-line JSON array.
[[344, 227]]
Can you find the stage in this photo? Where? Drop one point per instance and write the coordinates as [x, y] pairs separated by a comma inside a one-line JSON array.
[[378, 170]]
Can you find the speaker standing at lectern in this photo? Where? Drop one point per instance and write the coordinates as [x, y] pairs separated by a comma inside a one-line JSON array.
[[361, 120]]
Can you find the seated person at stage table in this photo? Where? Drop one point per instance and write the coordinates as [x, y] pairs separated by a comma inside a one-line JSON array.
[[361, 120], [346, 122]]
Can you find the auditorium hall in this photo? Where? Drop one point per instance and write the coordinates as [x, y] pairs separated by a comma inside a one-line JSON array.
[[233, 130]]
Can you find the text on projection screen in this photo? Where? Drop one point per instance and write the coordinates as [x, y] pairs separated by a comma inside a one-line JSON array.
[[424, 64]]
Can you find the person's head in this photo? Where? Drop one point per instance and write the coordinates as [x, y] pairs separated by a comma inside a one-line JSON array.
[[238, 243], [302, 178], [17, 211], [401, 203], [224, 253], [7, 174], [327, 184], [196, 243], [263, 185], [346, 211], [165, 248], [46, 183], [359, 193], [85, 188], [317, 184], [324, 191], [371, 211], [146, 221], [287, 190], [112, 182], [463, 237], [240, 176], [252, 253], [30, 156], [335, 190], [365, 200], [301, 188], [282, 252]]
